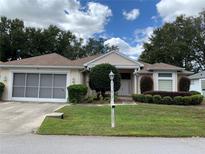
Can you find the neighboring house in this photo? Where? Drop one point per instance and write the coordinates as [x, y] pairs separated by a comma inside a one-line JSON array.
[[45, 78], [198, 82]]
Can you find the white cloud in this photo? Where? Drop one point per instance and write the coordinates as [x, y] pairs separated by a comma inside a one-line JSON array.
[[169, 9], [123, 46], [131, 15], [84, 21], [141, 36]]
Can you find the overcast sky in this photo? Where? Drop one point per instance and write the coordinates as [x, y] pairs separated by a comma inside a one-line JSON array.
[[125, 23]]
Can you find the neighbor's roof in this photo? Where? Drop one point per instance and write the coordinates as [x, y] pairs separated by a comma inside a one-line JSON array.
[[52, 59], [198, 75]]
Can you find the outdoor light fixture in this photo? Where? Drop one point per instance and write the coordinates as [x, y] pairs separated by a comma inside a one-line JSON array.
[[112, 103]]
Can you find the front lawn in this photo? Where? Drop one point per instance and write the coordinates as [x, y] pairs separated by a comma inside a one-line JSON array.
[[131, 120]]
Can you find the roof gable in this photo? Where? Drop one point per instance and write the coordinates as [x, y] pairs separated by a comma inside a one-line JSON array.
[[114, 58]]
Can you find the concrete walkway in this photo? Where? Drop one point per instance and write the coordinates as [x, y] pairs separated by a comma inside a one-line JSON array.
[[36, 144]]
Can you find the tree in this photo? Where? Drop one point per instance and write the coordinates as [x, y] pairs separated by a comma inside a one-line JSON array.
[[16, 41], [184, 83], [180, 43], [146, 84], [99, 78]]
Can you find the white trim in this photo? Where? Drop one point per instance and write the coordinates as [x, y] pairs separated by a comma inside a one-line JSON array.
[[120, 54]]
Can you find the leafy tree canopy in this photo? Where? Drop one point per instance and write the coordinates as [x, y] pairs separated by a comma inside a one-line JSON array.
[[181, 43], [16, 41]]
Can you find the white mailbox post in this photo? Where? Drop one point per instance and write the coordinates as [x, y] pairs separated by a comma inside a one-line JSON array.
[[112, 103]]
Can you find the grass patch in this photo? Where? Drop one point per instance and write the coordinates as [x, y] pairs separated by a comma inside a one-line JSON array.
[[131, 120]]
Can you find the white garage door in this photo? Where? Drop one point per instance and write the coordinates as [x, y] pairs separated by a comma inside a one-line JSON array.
[[36, 85]]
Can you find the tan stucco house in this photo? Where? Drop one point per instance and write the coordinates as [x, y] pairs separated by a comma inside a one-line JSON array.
[[45, 78]]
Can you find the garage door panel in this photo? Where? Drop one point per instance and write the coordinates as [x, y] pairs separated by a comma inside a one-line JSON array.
[[46, 80], [19, 79], [59, 80], [32, 79], [58, 93], [45, 93], [18, 91], [31, 92]]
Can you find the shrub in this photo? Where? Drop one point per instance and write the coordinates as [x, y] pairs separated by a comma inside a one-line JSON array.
[[168, 93], [187, 100], [195, 93], [178, 100], [197, 99], [99, 78], [184, 84], [157, 99], [167, 100], [77, 92], [138, 97], [89, 99], [146, 84], [1, 89], [148, 99]]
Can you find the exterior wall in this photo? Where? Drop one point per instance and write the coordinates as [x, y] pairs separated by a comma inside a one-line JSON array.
[[114, 59], [6, 76], [76, 76], [196, 85]]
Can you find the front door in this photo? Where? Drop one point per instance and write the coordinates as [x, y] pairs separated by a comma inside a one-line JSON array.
[[125, 89]]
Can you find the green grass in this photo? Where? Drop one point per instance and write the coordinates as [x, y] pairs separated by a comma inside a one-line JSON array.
[[131, 120]]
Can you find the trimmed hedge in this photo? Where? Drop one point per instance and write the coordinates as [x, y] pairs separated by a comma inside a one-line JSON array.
[[148, 99], [1, 89], [77, 92], [195, 92], [157, 99], [178, 100], [138, 97], [167, 100], [168, 93]]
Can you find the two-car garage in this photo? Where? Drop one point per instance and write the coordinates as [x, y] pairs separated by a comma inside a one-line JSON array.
[[39, 86]]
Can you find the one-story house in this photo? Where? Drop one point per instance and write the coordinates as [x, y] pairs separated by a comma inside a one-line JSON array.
[[45, 78], [198, 82]]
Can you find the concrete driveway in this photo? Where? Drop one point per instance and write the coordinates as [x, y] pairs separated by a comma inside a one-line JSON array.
[[22, 118]]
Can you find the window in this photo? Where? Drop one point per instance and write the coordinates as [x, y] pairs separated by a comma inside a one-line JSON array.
[[165, 85], [37, 85], [165, 75], [165, 82]]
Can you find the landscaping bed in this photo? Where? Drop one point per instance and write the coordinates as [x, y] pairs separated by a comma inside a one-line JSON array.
[[169, 98], [131, 120]]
